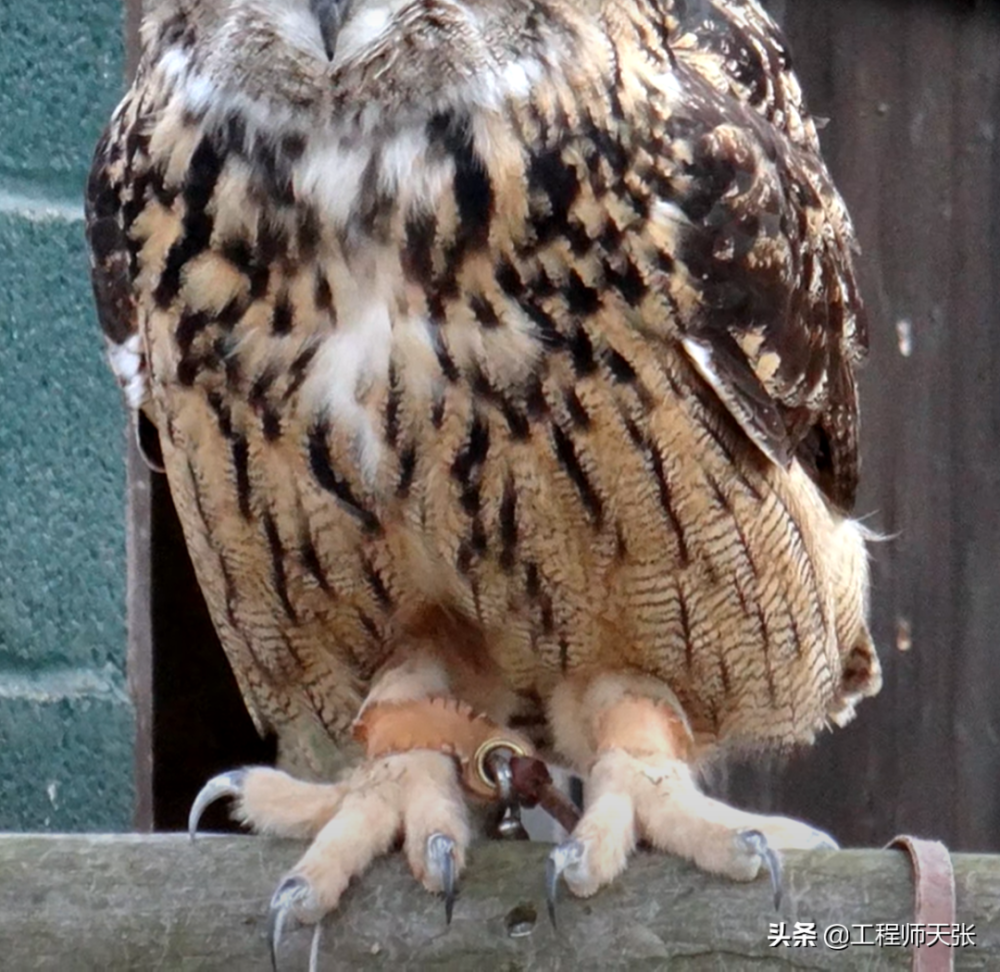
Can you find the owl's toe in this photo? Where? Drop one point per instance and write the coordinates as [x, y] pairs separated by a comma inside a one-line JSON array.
[[567, 858]]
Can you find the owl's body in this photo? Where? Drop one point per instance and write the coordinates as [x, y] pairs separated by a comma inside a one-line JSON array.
[[514, 334]]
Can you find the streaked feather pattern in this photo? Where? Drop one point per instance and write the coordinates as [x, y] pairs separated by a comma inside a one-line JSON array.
[[530, 324]]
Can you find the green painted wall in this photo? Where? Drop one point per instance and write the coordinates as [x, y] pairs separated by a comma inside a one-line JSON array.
[[66, 724]]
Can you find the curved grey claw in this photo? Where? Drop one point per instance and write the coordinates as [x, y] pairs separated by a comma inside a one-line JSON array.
[[756, 842], [314, 948], [224, 785], [566, 855], [441, 859], [287, 895]]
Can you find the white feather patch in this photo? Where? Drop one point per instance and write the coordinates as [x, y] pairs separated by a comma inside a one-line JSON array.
[[351, 360], [669, 84], [129, 366], [669, 213], [299, 28], [363, 28], [173, 63], [701, 356], [330, 174], [519, 77]]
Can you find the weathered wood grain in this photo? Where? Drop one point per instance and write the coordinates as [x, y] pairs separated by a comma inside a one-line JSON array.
[[159, 902]]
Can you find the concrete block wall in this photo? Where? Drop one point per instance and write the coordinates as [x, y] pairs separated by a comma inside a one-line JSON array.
[[66, 722]]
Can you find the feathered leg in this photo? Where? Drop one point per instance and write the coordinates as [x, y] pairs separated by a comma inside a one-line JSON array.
[[414, 795], [632, 735]]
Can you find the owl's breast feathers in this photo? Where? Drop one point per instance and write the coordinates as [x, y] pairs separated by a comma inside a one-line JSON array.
[[519, 166], [479, 227]]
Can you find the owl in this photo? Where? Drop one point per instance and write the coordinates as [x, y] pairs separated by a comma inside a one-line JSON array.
[[502, 355]]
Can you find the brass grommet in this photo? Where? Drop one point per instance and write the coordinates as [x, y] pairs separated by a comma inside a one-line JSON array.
[[483, 754]]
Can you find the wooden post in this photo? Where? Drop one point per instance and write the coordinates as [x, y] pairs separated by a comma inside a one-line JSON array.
[[159, 902]]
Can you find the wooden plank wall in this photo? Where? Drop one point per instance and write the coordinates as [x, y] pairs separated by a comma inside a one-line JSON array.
[[912, 90], [913, 93]]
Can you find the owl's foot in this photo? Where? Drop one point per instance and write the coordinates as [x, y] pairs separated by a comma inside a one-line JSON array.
[[641, 787], [415, 795]]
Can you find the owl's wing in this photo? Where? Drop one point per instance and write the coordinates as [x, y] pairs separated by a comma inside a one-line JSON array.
[[113, 263], [767, 246], [113, 199]]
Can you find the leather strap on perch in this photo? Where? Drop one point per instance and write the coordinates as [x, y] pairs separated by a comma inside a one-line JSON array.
[[934, 889]]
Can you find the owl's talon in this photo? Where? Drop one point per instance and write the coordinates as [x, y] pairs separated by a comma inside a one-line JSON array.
[[755, 842], [224, 785], [568, 854], [314, 947], [441, 854], [289, 894]]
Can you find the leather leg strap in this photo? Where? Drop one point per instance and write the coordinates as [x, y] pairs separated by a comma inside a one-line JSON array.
[[635, 723], [934, 888], [443, 724]]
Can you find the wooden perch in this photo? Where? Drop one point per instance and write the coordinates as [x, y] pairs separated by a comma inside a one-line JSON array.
[[159, 902]]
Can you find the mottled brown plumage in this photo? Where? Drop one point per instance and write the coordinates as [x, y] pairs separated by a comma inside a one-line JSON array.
[[515, 335]]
